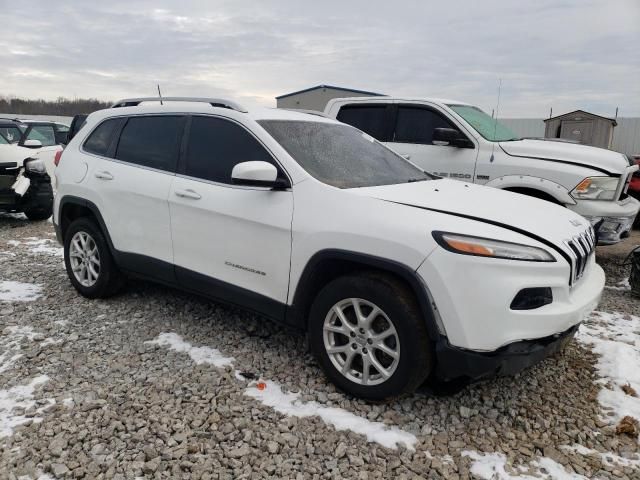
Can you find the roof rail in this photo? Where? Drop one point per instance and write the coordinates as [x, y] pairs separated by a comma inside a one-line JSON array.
[[214, 102], [307, 111]]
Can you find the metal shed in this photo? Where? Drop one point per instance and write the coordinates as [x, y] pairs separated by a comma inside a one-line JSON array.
[[316, 98], [582, 127]]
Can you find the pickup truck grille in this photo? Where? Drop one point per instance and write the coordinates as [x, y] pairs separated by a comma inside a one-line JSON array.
[[581, 247]]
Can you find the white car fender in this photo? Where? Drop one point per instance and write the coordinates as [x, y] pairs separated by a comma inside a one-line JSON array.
[[557, 191]]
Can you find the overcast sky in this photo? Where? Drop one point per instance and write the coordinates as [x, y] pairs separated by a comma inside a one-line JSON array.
[[565, 54]]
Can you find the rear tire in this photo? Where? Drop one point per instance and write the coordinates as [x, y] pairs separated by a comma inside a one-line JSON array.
[[389, 340], [38, 214], [88, 260]]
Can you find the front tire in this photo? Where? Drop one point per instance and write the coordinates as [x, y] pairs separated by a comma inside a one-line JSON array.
[[88, 260], [370, 337], [39, 214]]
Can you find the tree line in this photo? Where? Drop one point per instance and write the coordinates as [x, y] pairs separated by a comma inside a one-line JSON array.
[[60, 107]]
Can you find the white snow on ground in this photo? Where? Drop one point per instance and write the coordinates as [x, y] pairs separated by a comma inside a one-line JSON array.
[[20, 396], [199, 355], [40, 245], [624, 285], [493, 466], [615, 338], [10, 342], [19, 292], [609, 459], [289, 404]]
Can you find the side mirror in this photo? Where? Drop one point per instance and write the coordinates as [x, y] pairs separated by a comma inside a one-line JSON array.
[[451, 136], [32, 144], [257, 174]]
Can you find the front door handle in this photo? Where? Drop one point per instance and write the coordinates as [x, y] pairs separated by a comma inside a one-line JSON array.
[[188, 193], [104, 175]]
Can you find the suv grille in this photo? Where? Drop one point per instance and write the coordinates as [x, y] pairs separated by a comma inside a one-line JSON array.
[[580, 248]]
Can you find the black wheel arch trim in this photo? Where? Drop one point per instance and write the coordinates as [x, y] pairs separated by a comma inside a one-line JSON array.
[[304, 296]]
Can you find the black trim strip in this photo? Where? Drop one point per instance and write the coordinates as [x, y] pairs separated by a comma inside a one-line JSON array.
[[492, 222], [566, 162]]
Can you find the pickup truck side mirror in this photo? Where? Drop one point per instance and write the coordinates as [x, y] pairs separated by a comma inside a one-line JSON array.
[[452, 137]]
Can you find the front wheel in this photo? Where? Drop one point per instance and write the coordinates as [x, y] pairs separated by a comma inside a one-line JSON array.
[[88, 261], [370, 337]]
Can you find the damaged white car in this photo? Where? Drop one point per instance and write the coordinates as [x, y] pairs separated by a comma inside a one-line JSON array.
[[25, 185]]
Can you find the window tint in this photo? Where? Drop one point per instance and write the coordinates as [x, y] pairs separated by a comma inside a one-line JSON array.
[[11, 134], [151, 142], [100, 139], [416, 125], [216, 146], [368, 118]]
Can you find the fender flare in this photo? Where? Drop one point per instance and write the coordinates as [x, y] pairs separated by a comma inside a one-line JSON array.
[[553, 189], [301, 299], [82, 202]]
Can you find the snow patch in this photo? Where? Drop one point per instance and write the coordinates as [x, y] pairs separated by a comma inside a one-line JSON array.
[[608, 458], [289, 404], [623, 285], [19, 292], [199, 355], [19, 397], [10, 342], [615, 338], [494, 466], [44, 245]]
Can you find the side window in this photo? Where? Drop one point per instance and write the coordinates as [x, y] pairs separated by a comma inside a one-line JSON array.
[[11, 134], [151, 142], [416, 125], [100, 139], [43, 133], [217, 145], [370, 119]]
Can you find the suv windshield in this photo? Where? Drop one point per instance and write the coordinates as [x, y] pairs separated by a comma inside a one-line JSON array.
[[486, 126], [340, 155]]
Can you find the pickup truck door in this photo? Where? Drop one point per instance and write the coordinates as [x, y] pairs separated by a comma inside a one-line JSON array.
[[412, 138]]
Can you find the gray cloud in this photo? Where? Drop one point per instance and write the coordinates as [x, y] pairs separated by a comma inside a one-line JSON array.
[[561, 54]]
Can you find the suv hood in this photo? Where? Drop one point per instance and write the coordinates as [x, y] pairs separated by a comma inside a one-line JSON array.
[[541, 218], [600, 158], [15, 155]]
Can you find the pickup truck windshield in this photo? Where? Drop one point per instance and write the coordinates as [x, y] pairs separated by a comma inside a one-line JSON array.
[[486, 126], [340, 155]]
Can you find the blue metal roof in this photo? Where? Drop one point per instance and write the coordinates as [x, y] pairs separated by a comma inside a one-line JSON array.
[[352, 90]]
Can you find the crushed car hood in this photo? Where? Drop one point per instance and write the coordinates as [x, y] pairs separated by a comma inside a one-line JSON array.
[[541, 218], [612, 162]]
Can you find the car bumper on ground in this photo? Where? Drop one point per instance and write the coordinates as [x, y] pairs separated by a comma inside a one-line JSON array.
[[611, 220], [477, 315]]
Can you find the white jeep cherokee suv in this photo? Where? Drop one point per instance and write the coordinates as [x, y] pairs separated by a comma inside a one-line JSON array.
[[456, 140], [396, 277]]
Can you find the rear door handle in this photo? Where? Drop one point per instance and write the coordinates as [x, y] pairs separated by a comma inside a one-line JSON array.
[[104, 175], [188, 193]]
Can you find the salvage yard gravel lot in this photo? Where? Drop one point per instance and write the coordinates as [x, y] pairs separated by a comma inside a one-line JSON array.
[[155, 383]]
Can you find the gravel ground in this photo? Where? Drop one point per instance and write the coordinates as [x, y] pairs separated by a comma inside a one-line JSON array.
[[84, 395]]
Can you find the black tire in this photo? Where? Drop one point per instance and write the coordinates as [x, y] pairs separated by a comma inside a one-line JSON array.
[[400, 306], [109, 280], [38, 214]]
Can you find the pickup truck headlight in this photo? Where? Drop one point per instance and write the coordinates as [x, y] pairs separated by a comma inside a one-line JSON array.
[[35, 165], [596, 188], [486, 247]]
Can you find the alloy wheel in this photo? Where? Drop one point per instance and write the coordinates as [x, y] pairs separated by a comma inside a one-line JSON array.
[[84, 258]]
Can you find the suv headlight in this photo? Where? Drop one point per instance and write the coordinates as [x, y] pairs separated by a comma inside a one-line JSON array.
[[486, 247], [596, 188], [35, 165]]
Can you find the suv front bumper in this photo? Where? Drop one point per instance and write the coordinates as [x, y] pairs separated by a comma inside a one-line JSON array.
[[456, 363]]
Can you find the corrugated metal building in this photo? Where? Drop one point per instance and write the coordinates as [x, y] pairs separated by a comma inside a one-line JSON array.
[[582, 127], [316, 98]]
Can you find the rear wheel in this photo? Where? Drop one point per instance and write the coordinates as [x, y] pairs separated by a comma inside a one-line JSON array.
[[88, 261], [37, 214], [370, 337]]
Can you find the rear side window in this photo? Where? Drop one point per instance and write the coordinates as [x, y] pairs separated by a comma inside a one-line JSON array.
[[371, 119], [151, 142], [216, 146], [416, 125], [42, 133], [100, 139]]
